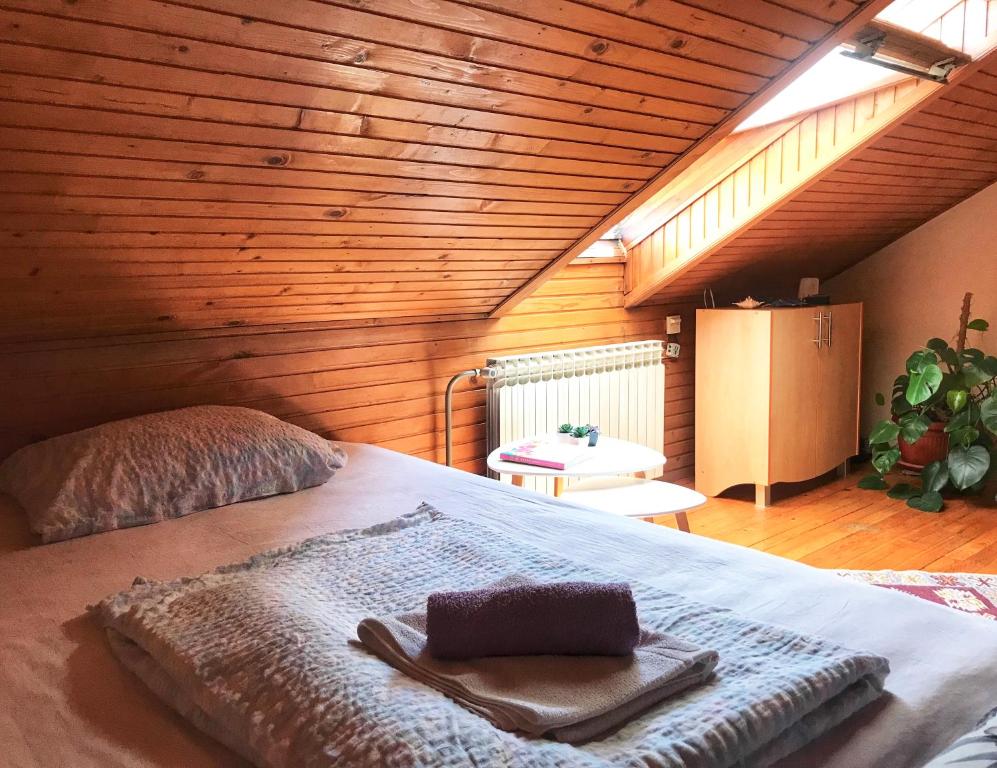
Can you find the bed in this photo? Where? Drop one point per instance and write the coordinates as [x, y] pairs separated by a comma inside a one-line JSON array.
[[65, 699]]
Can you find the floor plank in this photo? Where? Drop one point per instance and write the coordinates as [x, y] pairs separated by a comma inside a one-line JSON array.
[[831, 523]]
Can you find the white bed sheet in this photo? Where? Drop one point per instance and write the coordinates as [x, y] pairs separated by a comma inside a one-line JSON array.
[[64, 700]]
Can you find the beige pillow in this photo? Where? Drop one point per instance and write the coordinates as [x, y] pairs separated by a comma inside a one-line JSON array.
[[149, 468]]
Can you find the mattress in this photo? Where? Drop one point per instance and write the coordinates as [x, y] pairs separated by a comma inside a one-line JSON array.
[[65, 700]]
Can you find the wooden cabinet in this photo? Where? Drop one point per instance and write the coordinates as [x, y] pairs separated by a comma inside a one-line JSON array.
[[777, 394]]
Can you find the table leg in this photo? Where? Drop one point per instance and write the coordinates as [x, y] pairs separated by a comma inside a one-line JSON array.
[[642, 475], [683, 521], [517, 480], [558, 486]]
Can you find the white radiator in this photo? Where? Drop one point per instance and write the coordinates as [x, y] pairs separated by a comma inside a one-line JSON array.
[[619, 387]]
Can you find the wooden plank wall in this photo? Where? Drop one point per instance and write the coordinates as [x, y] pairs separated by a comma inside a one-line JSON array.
[[371, 381]]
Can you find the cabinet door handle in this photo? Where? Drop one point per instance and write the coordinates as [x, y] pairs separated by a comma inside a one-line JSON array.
[[819, 317], [829, 329]]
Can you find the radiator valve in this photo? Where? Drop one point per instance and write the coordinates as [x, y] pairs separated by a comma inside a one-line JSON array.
[[672, 349]]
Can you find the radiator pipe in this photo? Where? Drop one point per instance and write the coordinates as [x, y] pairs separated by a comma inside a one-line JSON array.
[[485, 373]]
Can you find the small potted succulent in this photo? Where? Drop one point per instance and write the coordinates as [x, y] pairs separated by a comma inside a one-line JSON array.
[[565, 433], [943, 421], [587, 435], [581, 435]]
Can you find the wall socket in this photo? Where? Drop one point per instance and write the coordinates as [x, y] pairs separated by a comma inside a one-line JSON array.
[[673, 324], [672, 349]]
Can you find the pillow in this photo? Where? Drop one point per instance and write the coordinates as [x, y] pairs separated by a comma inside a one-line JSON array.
[[977, 749], [162, 465]]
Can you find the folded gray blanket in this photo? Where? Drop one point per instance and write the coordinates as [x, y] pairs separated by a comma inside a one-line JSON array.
[[569, 698], [520, 617], [259, 654]]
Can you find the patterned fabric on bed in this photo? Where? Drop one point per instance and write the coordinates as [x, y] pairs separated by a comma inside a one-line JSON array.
[[977, 749], [263, 656], [162, 465]]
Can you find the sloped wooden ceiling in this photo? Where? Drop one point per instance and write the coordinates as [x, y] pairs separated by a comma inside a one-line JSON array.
[[937, 156], [207, 163]]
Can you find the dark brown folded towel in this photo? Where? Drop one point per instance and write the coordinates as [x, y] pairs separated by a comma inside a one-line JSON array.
[[523, 618]]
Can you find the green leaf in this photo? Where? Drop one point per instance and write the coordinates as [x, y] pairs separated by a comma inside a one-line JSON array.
[[956, 399], [978, 325], [920, 360], [923, 383], [872, 483], [883, 461], [963, 419], [900, 406], [949, 356], [885, 431], [972, 355], [964, 436], [931, 501], [988, 412], [935, 476], [974, 375], [913, 426], [880, 399], [903, 491], [989, 365], [967, 466], [937, 345]]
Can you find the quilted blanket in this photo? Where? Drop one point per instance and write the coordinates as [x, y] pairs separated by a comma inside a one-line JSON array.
[[262, 655]]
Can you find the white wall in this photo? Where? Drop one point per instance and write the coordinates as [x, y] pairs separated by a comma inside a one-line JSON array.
[[913, 290]]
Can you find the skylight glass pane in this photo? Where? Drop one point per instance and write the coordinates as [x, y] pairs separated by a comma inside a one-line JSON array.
[[915, 15], [832, 78]]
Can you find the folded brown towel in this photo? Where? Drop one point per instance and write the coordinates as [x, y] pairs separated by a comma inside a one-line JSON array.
[[568, 698], [524, 618]]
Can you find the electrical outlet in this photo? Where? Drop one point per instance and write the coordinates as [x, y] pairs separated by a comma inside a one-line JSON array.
[[672, 349], [673, 324]]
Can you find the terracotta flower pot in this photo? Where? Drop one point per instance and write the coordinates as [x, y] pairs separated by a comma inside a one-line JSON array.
[[933, 446]]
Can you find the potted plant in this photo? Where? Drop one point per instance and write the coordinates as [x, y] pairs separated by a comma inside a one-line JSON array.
[[565, 433], [943, 421], [581, 435]]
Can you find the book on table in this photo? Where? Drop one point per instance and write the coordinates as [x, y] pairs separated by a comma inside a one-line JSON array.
[[549, 455]]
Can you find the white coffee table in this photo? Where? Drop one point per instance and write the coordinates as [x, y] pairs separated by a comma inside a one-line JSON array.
[[610, 456], [635, 497]]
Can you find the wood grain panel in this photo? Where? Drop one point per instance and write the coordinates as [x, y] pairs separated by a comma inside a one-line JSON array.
[[189, 127], [380, 383], [938, 155]]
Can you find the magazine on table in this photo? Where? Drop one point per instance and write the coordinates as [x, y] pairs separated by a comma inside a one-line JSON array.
[[538, 452]]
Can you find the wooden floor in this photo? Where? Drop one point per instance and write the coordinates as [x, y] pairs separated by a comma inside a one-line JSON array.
[[833, 524]]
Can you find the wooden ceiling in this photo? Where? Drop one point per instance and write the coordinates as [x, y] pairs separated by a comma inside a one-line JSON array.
[[210, 163], [938, 156]]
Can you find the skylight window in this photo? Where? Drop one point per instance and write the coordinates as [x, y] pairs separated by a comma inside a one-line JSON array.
[[958, 27], [831, 79], [609, 246]]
